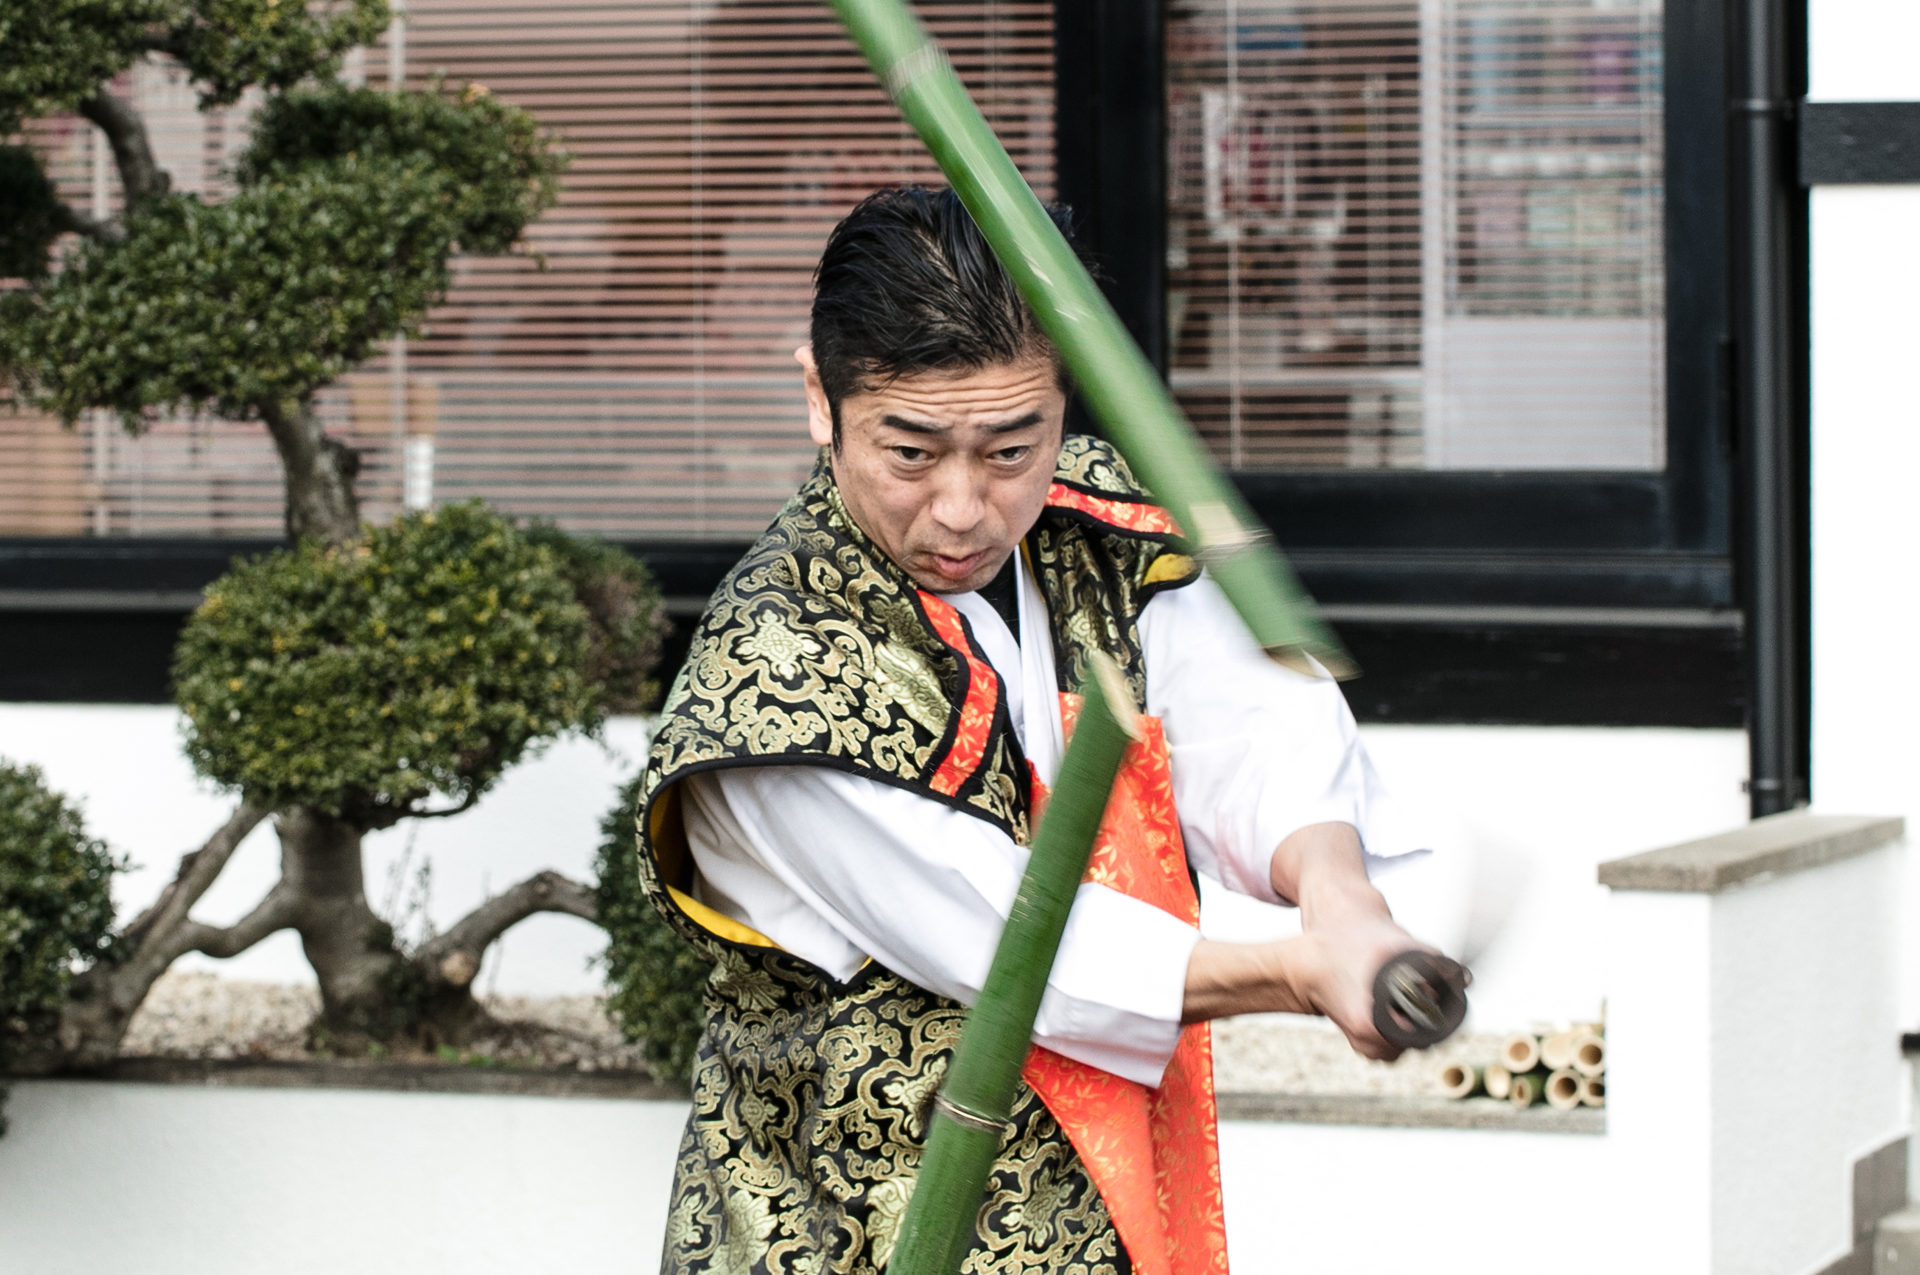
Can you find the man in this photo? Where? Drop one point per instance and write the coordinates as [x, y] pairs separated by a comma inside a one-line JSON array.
[[848, 770]]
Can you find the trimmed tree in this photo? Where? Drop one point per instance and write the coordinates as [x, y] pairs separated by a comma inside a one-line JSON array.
[[348, 204], [56, 908], [344, 688], [656, 980]]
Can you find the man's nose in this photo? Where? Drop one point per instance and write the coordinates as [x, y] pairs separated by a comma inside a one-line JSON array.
[[959, 499]]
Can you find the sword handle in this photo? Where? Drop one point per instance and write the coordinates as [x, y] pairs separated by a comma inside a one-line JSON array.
[[1419, 999]]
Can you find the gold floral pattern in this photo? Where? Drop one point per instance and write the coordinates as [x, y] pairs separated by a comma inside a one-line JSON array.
[[810, 1097]]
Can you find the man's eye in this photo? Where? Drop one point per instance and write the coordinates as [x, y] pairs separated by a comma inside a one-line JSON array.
[[912, 455], [1012, 455]]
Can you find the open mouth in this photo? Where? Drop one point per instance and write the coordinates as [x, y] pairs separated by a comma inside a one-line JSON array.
[[958, 568]]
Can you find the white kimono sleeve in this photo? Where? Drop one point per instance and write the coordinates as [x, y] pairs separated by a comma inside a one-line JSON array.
[[837, 868], [1258, 751]]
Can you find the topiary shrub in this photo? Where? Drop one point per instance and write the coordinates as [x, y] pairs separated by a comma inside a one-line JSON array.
[[56, 905], [626, 619], [363, 680], [656, 980]]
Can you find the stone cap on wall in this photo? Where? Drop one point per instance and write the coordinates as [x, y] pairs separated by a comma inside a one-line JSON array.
[[1773, 846]]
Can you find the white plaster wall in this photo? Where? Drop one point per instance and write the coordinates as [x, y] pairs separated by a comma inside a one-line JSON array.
[[1866, 507], [165, 1180], [1750, 1063], [1862, 51], [1522, 815], [316, 1182], [1658, 1112], [1804, 1073], [123, 764]]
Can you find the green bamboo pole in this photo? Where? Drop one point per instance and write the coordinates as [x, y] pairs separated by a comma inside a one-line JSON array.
[[1120, 387], [971, 1111]]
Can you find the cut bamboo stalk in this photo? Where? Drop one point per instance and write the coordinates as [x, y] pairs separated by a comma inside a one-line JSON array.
[[1520, 1053], [1556, 1050], [971, 1109], [1563, 1089], [1527, 1089], [1497, 1081], [1593, 1091], [1116, 382], [1461, 1080], [1590, 1055]]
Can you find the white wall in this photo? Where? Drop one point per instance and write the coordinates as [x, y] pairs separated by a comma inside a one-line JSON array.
[[1523, 814], [165, 1180], [1751, 1062], [1866, 448], [125, 767], [316, 1182]]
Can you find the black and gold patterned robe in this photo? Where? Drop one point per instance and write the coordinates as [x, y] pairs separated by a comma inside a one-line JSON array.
[[810, 1096]]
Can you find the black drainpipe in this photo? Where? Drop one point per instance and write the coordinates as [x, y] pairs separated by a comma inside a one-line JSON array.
[[1769, 339]]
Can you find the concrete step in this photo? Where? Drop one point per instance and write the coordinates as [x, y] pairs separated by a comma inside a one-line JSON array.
[[1896, 1243]]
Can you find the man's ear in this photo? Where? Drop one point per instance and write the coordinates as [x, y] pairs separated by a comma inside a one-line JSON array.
[[819, 411]]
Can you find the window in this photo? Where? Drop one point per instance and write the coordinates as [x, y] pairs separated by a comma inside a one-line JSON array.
[[633, 375], [1418, 236]]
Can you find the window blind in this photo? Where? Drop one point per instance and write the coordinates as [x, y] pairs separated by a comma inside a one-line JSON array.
[[633, 374], [1418, 235]]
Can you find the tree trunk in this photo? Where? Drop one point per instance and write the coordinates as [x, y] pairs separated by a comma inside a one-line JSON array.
[[319, 473], [369, 990]]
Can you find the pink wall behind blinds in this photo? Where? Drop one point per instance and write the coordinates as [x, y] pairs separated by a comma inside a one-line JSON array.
[[633, 376]]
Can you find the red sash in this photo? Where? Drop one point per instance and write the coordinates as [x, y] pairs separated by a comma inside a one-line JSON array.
[[1153, 1153]]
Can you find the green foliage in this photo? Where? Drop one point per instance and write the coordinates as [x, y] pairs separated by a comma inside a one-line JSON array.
[[363, 679], [56, 909], [28, 214], [230, 45], [626, 621], [504, 173], [53, 53], [656, 979], [258, 300], [336, 243]]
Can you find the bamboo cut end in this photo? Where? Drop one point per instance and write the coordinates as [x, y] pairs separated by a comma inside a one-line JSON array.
[[1323, 664], [1119, 696]]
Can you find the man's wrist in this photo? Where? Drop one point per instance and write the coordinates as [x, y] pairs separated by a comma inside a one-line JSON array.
[[1333, 895]]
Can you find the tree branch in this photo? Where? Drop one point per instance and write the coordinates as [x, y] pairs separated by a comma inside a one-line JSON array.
[[67, 217], [198, 871], [455, 955], [140, 174], [275, 912], [466, 804]]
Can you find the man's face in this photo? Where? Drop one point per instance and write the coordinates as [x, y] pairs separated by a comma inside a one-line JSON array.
[[946, 472]]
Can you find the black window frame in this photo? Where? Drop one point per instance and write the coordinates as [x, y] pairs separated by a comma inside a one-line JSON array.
[[1544, 598], [1585, 597]]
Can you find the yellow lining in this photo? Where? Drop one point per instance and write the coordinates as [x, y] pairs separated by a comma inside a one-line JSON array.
[[718, 923], [1169, 566], [666, 833]]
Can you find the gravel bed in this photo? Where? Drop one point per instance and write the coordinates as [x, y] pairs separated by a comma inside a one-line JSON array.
[[202, 1015], [194, 1014]]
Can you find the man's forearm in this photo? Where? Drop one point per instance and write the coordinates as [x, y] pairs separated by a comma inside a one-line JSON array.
[[1224, 979], [1347, 934], [1322, 869]]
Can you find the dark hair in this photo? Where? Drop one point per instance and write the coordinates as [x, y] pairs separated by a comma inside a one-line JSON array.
[[907, 284]]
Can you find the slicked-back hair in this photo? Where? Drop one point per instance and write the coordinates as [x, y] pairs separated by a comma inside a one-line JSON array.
[[907, 284]]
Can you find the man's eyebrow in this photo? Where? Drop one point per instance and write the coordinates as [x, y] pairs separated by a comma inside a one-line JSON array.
[[935, 431]]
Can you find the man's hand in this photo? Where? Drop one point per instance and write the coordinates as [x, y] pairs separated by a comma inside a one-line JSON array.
[[1347, 934]]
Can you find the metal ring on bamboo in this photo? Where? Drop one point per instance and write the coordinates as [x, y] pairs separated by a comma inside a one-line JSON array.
[[961, 1116]]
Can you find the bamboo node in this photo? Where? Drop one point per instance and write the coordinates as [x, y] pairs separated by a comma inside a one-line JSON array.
[[964, 1117]]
